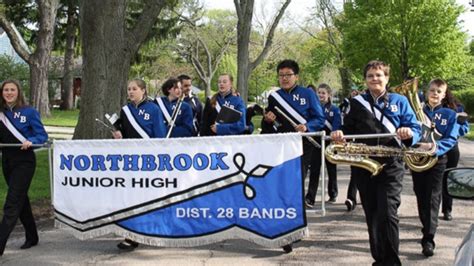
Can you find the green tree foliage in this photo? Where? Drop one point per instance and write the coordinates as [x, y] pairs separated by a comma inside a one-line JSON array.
[[471, 47], [321, 54], [417, 38], [205, 38], [24, 14], [228, 65], [13, 69]]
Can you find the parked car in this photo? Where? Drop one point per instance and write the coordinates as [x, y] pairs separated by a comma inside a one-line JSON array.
[[459, 184]]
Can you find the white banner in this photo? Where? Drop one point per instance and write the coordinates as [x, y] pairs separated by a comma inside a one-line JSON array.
[[153, 190]]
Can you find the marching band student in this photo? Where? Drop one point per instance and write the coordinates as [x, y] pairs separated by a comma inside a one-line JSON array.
[[453, 154], [183, 120], [192, 100], [19, 124], [299, 104], [140, 118], [224, 97], [428, 184], [374, 112], [351, 199], [332, 122]]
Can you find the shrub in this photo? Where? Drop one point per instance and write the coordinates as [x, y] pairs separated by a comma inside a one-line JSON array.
[[14, 69], [467, 99]]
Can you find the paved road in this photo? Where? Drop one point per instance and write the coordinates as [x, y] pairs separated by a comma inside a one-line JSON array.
[[337, 238]]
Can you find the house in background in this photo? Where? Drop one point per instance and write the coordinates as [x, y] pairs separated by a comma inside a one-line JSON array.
[[6, 47]]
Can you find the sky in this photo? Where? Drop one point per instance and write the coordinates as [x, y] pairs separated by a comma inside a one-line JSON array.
[[300, 9]]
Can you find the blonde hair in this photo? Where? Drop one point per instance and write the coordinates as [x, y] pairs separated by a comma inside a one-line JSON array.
[[214, 97]]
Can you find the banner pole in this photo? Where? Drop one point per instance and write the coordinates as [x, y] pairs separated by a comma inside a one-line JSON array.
[[323, 173], [50, 164]]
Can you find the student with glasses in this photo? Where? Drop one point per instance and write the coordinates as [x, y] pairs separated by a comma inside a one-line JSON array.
[[298, 104]]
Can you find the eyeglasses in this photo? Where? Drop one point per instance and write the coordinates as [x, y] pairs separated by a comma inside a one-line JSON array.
[[287, 76]]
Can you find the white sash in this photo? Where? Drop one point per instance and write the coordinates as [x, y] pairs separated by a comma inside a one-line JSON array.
[[428, 123], [12, 128], [218, 106], [288, 108], [164, 110], [134, 123], [385, 122], [328, 125]]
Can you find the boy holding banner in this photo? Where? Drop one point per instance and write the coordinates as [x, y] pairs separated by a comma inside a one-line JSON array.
[[293, 102]]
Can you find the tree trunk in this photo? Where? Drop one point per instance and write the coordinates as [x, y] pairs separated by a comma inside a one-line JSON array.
[[39, 61], [108, 47], [207, 83], [244, 10], [346, 82], [106, 63], [244, 27], [39, 87], [67, 99]]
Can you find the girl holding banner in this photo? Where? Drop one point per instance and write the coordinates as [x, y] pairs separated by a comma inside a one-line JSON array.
[[140, 118], [177, 113], [224, 97], [20, 124]]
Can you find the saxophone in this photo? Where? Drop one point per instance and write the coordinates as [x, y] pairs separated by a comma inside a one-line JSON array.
[[357, 154]]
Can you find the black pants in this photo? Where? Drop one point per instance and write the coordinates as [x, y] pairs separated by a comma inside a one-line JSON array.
[[453, 159], [18, 169], [380, 198], [315, 174], [308, 149], [427, 186], [352, 188]]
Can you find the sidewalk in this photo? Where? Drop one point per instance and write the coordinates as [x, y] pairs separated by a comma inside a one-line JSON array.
[[337, 238], [59, 132]]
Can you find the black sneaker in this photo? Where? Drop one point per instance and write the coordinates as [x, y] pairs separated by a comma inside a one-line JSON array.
[[309, 203], [127, 245], [288, 248], [428, 249], [332, 200], [447, 216], [350, 205]]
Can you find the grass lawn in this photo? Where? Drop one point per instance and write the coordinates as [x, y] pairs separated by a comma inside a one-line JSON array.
[[62, 118], [257, 123], [470, 134], [39, 190]]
